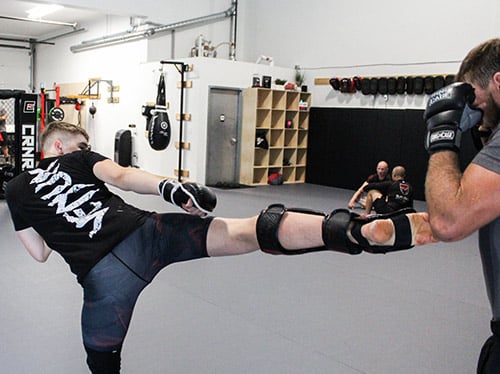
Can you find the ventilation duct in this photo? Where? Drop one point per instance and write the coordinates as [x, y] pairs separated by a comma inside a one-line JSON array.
[[129, 36]]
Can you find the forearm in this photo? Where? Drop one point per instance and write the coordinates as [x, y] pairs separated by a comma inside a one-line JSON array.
[[139, 181], [127, 178], [443, 194], [34, 244]]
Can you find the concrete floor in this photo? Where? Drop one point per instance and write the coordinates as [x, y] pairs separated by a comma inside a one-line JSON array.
[[421, 311]]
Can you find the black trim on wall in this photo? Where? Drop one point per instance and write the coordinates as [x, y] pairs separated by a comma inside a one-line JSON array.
[[345, 144]]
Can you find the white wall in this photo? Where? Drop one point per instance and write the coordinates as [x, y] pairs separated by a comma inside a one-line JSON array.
[[326, 38], [14, 69]]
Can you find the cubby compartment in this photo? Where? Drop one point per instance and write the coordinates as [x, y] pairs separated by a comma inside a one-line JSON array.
[[278, 119], [291, 119], [290, 139], [276, 157], [302, 139], [289, 157], [303, 120], [301, 157], [278, 99], [292, 100], [264, 98], [288, 174], [263, 118], [300, 174], [260, 175], [261, 157], [277, 138]]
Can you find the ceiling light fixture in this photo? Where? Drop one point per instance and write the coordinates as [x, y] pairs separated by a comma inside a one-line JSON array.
[[42, 10]]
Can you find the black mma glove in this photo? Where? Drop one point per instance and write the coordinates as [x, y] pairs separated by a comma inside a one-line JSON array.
[[179, 193], [448, 115]]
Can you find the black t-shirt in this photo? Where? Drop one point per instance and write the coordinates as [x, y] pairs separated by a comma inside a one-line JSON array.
[[374, 178], [398, 194], [72, 209]]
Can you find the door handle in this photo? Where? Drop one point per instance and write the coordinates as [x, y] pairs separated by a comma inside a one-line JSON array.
[[234, 141]]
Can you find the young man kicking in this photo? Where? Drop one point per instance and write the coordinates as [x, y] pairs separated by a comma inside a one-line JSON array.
[[115, 249]]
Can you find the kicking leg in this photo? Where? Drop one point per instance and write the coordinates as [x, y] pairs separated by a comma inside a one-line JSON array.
[[278, 230]]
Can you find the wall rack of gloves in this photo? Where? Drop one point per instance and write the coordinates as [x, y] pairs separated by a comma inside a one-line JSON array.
[[400, 85]]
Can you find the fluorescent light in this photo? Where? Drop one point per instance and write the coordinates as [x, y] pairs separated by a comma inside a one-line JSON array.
[[43, 10]]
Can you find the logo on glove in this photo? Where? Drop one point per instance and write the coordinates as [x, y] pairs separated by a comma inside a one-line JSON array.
[[442, 135], [442, 94]]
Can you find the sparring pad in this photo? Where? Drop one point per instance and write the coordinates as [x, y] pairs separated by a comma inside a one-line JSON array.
[[347, 85], [410, 85], [357, 83], [418, 86], [401, 85], [335, 83], [365, 86], [429, 85], [438, 82], [391, 85], [373, 86], [382, 86], [449, 79]]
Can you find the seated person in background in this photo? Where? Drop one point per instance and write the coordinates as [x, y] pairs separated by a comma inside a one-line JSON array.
[[381, 175], [389, 196]]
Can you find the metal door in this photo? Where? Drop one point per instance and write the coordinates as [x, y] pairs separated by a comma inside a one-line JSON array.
[[223, 137]]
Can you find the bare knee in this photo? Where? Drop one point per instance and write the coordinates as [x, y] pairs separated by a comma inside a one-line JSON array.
[[232, 236]]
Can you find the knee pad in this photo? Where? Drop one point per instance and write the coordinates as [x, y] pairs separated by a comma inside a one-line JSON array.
[[267, 228]]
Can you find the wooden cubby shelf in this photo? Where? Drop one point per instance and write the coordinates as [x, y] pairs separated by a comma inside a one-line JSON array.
[[283, 117]]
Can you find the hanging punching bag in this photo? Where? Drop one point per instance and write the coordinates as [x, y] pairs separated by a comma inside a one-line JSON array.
[[159, 125]]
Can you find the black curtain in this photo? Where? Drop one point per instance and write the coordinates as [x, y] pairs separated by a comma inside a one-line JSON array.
[[345, 144]]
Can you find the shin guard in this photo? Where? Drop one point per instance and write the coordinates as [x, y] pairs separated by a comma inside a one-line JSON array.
[[268, 224], [340, 222]]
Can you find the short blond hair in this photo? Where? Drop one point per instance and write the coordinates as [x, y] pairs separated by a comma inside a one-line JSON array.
[[64, 129]]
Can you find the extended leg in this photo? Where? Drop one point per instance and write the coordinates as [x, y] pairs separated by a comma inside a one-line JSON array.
[[278, 230]]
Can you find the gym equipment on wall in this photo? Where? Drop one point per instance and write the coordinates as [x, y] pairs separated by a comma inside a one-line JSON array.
[[25, 134], [182, 68], [158, 123], [56, 113], [123, 147]]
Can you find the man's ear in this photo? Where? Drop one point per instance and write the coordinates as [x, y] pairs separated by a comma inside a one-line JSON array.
[[496, 80], [58, 146]]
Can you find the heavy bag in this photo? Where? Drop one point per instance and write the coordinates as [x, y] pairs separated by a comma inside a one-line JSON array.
[[159, 129], [159, 124]]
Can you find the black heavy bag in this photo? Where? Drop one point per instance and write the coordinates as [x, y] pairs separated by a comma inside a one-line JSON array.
[[159, 124]]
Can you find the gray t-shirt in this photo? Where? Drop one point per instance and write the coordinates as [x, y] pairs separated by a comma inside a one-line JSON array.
[[489, 235]]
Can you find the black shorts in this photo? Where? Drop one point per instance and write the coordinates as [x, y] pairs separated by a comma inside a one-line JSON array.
[[381, 207], [111, 288]]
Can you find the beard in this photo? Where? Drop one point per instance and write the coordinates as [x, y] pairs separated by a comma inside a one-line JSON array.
[[491, 117]]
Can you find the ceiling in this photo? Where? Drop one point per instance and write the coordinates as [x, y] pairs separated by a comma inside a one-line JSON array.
[[19, 29]]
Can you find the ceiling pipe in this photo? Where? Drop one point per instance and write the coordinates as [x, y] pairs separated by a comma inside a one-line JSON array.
[[232, 37], [127, 36], [73, 25]]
